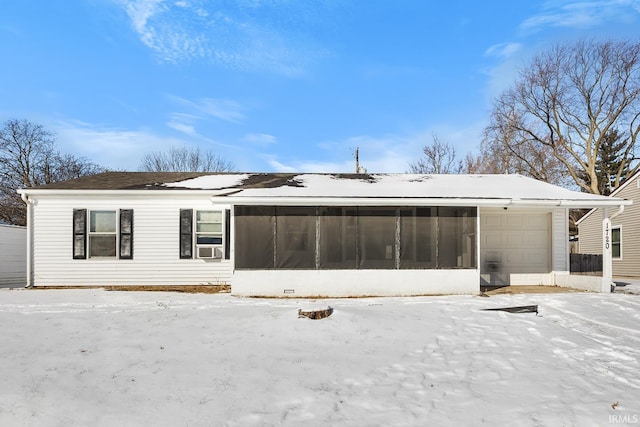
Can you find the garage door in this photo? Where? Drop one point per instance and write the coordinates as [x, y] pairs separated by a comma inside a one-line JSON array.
[[513, 242]]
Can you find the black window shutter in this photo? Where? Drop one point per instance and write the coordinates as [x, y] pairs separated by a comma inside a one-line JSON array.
[[186, 233], [79, 234], [227, 234], [126, 234]]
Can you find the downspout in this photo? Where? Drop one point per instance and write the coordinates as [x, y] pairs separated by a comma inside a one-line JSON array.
[[29, 203], [607, 269]]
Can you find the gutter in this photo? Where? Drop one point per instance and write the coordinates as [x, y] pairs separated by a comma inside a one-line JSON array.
[[232, 199], [29, 203], [618, 212]]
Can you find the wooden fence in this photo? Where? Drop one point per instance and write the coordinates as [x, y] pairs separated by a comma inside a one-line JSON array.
[[585, 263]]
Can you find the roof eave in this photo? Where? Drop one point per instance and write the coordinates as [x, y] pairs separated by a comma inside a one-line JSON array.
[[412, 201], [145, 192]]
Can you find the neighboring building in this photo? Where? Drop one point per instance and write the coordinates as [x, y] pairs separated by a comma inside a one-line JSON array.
[[13, 255], [625, 231], [303, 234]]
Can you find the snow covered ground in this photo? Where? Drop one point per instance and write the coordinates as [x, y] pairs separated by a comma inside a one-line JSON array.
[[92, 357]]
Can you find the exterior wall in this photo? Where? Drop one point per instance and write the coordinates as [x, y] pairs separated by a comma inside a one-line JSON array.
[[590, 232], [13, 255], [155, 260], [560, 240], [586, 283], [349, 283]]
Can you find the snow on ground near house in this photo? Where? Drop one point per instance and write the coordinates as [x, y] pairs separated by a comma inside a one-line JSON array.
[[92, 357]]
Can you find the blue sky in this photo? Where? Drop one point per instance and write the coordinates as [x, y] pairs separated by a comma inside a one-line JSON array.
[[277, 85]]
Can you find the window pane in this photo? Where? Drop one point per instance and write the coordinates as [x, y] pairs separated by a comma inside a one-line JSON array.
[[338, 231], [208, 240], [615, 235], [209, 216], [254, 244], [102, 245], [377, 238], [209, 227], [103, 222], [615, 250], [456, 237], [296, 237], [615, 242], [418, 238]]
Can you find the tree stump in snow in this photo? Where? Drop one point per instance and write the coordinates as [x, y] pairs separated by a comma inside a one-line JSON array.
[[315, 314]]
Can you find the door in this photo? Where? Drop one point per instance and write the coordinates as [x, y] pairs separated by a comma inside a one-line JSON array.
[[513, 242]]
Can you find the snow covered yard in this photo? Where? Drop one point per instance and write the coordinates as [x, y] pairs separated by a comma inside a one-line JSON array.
[[92, 357]]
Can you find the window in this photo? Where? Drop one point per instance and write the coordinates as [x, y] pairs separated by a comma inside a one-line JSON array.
[[109, 233], [332, 238], [208, 228], [338, 238], [102, 234], [377, 238], [418, 228], [296, 237], [210, 234], [254, 237], [616, 242]]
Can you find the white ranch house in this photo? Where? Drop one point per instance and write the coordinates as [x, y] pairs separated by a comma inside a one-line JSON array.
[[305, 234]]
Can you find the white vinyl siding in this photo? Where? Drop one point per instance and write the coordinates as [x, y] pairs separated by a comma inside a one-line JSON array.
[[13, 255], [559, 239], [156, 259], [590, 233]]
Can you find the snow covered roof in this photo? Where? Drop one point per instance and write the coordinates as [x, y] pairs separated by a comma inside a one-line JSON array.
[[314, 188]]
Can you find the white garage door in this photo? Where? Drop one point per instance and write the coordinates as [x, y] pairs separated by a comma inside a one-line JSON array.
[[513, 242]]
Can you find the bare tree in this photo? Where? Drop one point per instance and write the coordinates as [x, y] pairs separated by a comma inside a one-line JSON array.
[[554, 121], [185, 159], [438, 158], [27, 159], [502, 152]]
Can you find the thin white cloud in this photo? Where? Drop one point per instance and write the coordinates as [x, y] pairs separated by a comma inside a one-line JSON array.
[[279, 167], [583, 14], [223, 109], [115, 148], [261, 139], [503, 50], [182, 127], [238, 34]]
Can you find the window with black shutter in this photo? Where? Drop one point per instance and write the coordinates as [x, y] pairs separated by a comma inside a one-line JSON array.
[[102, 234]]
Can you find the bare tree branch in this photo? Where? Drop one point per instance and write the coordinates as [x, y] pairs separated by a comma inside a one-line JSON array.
[[28, 158], [185, 159], [438, 158], [553, 122]]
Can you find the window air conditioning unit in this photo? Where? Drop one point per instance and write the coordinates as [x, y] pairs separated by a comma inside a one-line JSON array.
[[210, 252]]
